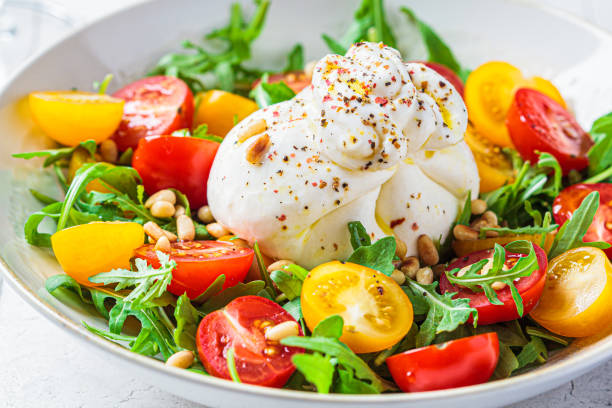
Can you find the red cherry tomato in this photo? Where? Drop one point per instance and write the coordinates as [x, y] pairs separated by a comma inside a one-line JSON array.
[[538, 123], [156, 105], [199, 263], [296, 80], [448, 74], [175, 162], [570, 199], [241, 326], [457, 363], [529, 287]]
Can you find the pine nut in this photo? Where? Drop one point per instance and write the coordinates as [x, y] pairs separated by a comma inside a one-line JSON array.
[[410, 266], [282, 330], [162, 209], [490, 217], [464, 233], [427, 250], [240, 243], [425, 276], [155, 232], [163, 244], [398, 277], [182, 359], [492, 234], [217, 230], [205, 215], [185, 228], [479, 206], [400, 248], [258, 149], [478, 224], [498, 285], [161, 195], [253, 128], [278, 265], [179, 210], [108, 151]]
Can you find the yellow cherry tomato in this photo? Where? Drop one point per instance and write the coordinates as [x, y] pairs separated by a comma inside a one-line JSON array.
[[221, 110], [494, 168], [489, 91], [376, 311], [71, 117], [463, 248], [577, 296], [87, 249], [79, 157]]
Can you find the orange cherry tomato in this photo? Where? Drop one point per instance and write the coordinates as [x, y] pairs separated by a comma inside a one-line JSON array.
[[376, 311], [221, 111], [577, 297], [88, 249]]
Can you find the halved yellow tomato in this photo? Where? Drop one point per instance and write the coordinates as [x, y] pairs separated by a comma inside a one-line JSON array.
[[494, 168], [71, 117], [463, 248], [221, 110], [577, 297], [87, 249], [376, 311], [489, 91]]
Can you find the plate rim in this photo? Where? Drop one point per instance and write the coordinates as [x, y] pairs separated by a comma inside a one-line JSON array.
[[556, 373]]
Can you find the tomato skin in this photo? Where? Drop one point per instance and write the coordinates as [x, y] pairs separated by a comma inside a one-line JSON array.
[[448, 74], [537, 123], [193, 275], [529, 287], [238, 325], [175, 162], [296, 80], [457, 363], [570, 199], [156, 105]]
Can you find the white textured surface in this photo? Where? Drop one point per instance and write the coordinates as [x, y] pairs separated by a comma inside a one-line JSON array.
[[43, 366]]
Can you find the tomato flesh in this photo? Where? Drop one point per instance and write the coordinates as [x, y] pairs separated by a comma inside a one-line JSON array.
[[175, 162], [199, 263], [458, 363], [240, 325], [529, 288], [537, 123], [570, 199], [296, 80], [155, 105]]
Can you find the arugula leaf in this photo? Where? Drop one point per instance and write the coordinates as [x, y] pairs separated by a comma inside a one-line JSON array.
[[444, 314], [187, 319], [331, 327], [42, 198], [318, 369], [101, 86], [266, 94], [348, 384], [600, 154], [295, 59], [231, 366], [201, 132], [213, 289], [55, 282], [54, 155], [226, 66], [474, 280], [359, 235], [545, 334], [506, 363], [378, 256], [222, 299], [294, 308], [533, 351], [126, 157], [437, 49], [368, 24], [263, 270], [288, 284], [149, 282], [503, 231], [466, 213], [573, 230]]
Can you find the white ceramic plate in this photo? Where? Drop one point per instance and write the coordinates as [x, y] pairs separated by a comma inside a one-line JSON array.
[[551, 44]]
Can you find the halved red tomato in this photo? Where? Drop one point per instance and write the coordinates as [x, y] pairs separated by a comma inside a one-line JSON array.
[[570, 199], [156, 105], [537, 123], [175, 162], [529, 288], [457, 363], [241, 325], [199, 263], [296, 80], [447, 73]]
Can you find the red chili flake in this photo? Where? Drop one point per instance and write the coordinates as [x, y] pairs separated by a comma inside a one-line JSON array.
[[393, 78], [282, 217], [415, 226], [275, 114], [292, 155], [395, 223], [314, 184], [326, 98], [276, 191], [381, 101]]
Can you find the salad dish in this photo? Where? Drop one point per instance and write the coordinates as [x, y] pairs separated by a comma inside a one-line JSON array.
[[366, 221]]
